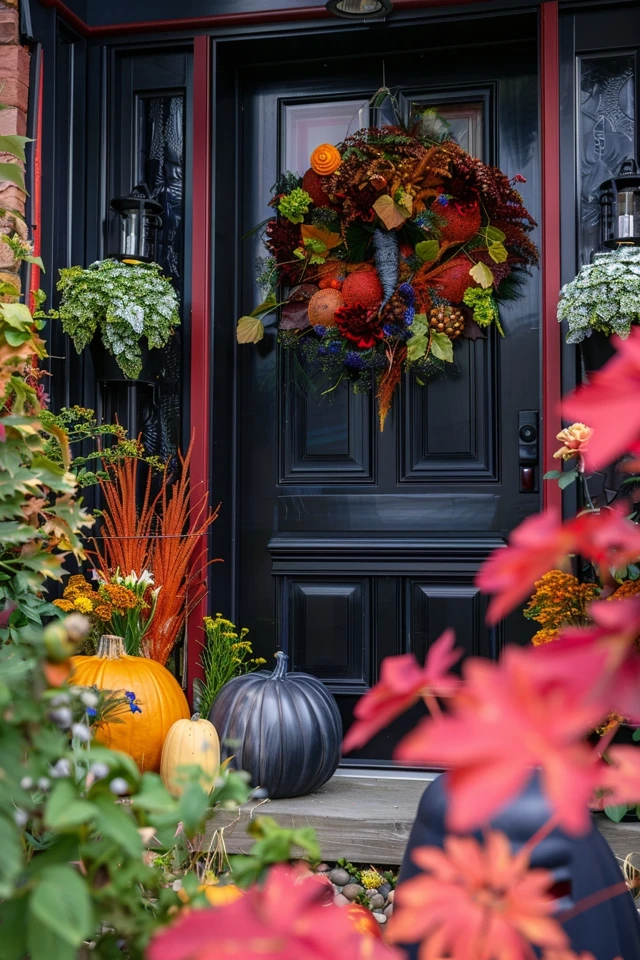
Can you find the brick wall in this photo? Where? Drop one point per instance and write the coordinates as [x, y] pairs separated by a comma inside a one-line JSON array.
[[14, 93]]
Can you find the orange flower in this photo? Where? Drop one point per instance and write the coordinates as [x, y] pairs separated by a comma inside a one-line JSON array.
[[475, 895], [65, 605], [574, 439], [325, 159], [546, 635]]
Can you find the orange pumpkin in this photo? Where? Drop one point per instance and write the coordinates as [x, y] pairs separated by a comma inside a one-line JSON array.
[[190, 743], [159, 694]]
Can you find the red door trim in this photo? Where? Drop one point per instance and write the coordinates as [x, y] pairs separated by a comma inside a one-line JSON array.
[[219, 21], [550, 265], [200, 418]]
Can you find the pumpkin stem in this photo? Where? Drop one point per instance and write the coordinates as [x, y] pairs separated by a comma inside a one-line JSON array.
[[195, 718], [281, 667], [111, 648]]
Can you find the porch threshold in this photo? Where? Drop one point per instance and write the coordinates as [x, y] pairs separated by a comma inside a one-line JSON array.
[[363, 816]]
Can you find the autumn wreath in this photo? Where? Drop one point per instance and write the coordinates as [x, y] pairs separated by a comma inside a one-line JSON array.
[[391, 247]]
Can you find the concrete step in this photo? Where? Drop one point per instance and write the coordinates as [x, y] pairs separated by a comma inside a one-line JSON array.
[[366, 819]]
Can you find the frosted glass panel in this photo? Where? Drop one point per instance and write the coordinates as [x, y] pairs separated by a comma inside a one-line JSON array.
[[308, 125], [607, 135]]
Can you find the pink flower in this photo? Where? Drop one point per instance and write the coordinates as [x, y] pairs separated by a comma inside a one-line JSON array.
[[402, 683], [286, 919], [608, 402], [477, 901], [509, 719]]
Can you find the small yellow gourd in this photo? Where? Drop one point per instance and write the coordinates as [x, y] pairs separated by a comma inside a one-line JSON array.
[[190, 743]]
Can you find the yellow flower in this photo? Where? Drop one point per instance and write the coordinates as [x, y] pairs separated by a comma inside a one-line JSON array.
[[83, 604], [371, 879], [574, 439]]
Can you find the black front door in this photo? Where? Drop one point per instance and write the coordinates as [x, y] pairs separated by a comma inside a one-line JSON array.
[[353, 545]]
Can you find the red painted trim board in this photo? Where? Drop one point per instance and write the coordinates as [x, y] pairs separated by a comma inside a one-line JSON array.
[[200, 324], [550, 152], [36, 188], [219, 21]]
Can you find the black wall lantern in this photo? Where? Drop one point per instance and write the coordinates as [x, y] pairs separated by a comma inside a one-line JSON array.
[[139, 223], [620, 207], [359, 9]]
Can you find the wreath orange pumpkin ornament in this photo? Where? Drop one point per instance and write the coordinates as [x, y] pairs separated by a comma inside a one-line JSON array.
[[325, 159]]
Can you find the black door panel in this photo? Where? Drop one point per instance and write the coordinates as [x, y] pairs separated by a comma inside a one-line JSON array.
[[353, 544]]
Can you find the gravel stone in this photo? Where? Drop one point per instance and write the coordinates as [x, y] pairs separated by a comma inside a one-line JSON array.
[[388, 910], [377, 901], [324, 868], [339, 876], [380, 917], [340, 901], [391, 896], [352, 890], [384, 889]]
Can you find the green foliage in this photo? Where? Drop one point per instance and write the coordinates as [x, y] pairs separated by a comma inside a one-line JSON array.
[[485, 308], [81, 428], [126, 302], [294, 205], [274, 844], [74, 866], [225, 654], [40, 520]]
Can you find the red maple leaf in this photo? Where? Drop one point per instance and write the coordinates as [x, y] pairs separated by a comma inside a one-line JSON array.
[[607, 402], [537, 545], [507, 720], [541, 542], [402, 683]]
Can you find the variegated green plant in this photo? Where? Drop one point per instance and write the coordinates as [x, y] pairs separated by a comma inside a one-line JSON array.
[[605, 296]]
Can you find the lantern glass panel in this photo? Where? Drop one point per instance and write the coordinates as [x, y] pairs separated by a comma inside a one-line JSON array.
[[628, 213], [131, 234]]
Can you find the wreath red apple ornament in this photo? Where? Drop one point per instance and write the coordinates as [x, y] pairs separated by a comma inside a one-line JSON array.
[[391, 247]]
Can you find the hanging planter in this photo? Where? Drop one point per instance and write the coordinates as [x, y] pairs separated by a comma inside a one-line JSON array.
[[283, 728], [107, 369], [132, 306]]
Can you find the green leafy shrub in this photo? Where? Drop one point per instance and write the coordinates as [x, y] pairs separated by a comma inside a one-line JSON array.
[[84, 835], [126, 302], [82, 429]]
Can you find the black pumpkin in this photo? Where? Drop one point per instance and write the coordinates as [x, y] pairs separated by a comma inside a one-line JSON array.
[[282, 728]]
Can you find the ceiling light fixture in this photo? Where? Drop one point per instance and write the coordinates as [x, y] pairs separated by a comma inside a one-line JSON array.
[[359, 9]]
